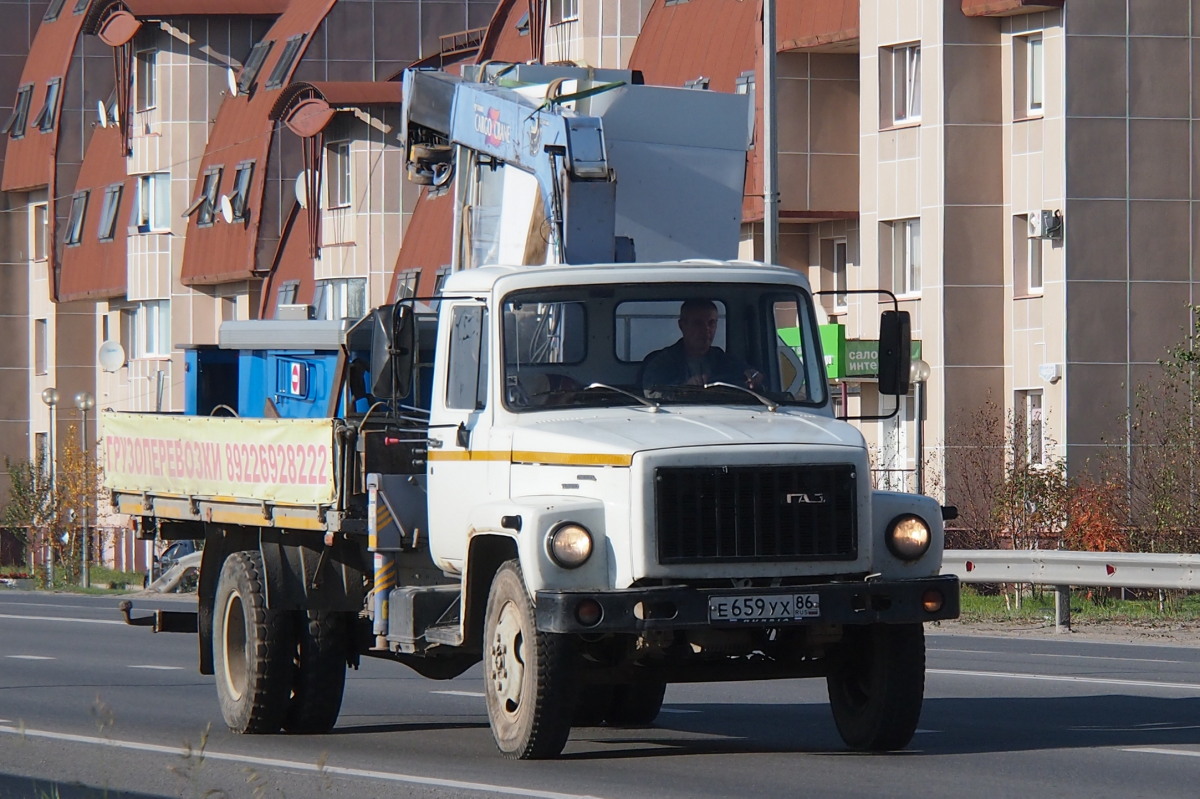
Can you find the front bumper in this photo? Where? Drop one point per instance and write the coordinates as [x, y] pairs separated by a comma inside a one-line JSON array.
[[636, 610]]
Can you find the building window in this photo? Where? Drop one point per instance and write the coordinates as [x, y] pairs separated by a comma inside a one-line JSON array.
[[697, 83], [81, 6], [283, 66], [900, 88], [53, 10], [38, 236], [152, 208], [744, 84], [145, 90], [108, 213], [205, 205], [439, 279], [253, 65], [146, 329], [833, 263], [406, 284], [1029, 78], [75, 219], [1030, 433], [239, 201], [41, 454], [1027, 255], [523, 25], [339, 174], [340, 298], [287, 293], [46, 118], [15, 125], [563, 11], [901, 242], [41, 346]]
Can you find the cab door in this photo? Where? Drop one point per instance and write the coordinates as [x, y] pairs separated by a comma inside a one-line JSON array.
[[459, 429]]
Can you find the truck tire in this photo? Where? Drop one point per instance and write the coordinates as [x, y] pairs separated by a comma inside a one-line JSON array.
[[636, 704], [877, 685], [253, 649], [318, 672], [528, 675]]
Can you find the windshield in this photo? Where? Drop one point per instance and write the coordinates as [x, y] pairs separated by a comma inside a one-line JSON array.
[[589, 346]]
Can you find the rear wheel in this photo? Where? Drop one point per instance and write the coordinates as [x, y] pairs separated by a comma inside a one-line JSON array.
[[253, 649], [877, 685], [318, 672], [528, 675]]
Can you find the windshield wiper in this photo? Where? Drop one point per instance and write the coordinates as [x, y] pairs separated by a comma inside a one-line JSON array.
[[653, 406], [771, 406]]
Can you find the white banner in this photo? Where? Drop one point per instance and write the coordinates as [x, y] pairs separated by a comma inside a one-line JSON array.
[[275, 460]]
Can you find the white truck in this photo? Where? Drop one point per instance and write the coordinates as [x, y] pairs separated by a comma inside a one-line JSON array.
[[502, 482]]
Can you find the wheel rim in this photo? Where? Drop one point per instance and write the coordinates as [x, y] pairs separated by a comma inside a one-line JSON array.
[[508, 659], [234, 646]]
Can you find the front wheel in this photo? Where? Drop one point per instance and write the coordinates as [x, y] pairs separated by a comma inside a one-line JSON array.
[[877, 685], [253, 648], [528, 678]]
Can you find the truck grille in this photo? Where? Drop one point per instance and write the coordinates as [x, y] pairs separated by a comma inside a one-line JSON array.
[[743, 513]]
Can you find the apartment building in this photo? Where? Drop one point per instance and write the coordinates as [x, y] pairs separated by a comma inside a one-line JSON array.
[[172, 165], [1019, 173]]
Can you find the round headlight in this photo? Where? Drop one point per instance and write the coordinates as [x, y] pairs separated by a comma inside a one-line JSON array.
[[570, 545], [908, 537]]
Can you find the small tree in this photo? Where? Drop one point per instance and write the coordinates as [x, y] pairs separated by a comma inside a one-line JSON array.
[[52, 516], [1163, 450]]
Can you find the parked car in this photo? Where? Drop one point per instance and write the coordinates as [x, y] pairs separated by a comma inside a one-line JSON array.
[[169, 557]]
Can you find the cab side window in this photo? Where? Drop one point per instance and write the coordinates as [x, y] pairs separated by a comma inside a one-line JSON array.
[[466, 378]]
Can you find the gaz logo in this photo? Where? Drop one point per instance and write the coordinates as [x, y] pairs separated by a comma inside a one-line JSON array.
[[487, 122], [804, 499], [293, 378]]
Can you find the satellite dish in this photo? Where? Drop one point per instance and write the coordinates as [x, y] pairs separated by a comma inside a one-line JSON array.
[[103, 113], [113, 117], [301, 187], [231, 79], [226, 208], [111, 356]]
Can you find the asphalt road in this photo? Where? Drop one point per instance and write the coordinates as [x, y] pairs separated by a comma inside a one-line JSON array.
[[92, 708]]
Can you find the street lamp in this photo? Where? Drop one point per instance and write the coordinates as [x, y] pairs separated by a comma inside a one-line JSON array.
[[84, 401], [918, 375], [50, 397]]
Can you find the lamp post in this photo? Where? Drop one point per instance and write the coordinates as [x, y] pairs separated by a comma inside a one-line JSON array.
[[84, 401], [50, 397], [919, 375]]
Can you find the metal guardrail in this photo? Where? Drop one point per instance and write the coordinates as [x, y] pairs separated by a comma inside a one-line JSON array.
[[1063, 569]]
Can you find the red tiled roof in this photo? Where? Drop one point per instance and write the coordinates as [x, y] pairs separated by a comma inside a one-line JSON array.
[[685, 41], [243, 131], [185, 8], [292, 262], [96, 269], [1005, 8], [30, 161], [812, 24]]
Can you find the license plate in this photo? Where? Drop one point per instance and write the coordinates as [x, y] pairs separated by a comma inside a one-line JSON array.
[[764, 607]]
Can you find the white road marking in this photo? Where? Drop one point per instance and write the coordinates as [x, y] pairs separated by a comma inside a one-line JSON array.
[[1190, 686], [270, 762], [1048, 655], [30, 657], [678, 710], [157, 668], [60, 618], [926, 732], [476, 694], [1151, 750]]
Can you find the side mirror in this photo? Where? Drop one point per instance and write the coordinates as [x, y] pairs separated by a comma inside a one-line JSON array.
[[393, 351], [895, 352]]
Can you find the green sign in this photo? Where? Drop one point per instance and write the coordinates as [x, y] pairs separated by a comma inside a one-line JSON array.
[[852, 359]]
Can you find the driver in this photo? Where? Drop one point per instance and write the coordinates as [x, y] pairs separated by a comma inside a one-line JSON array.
[[693, 360]]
